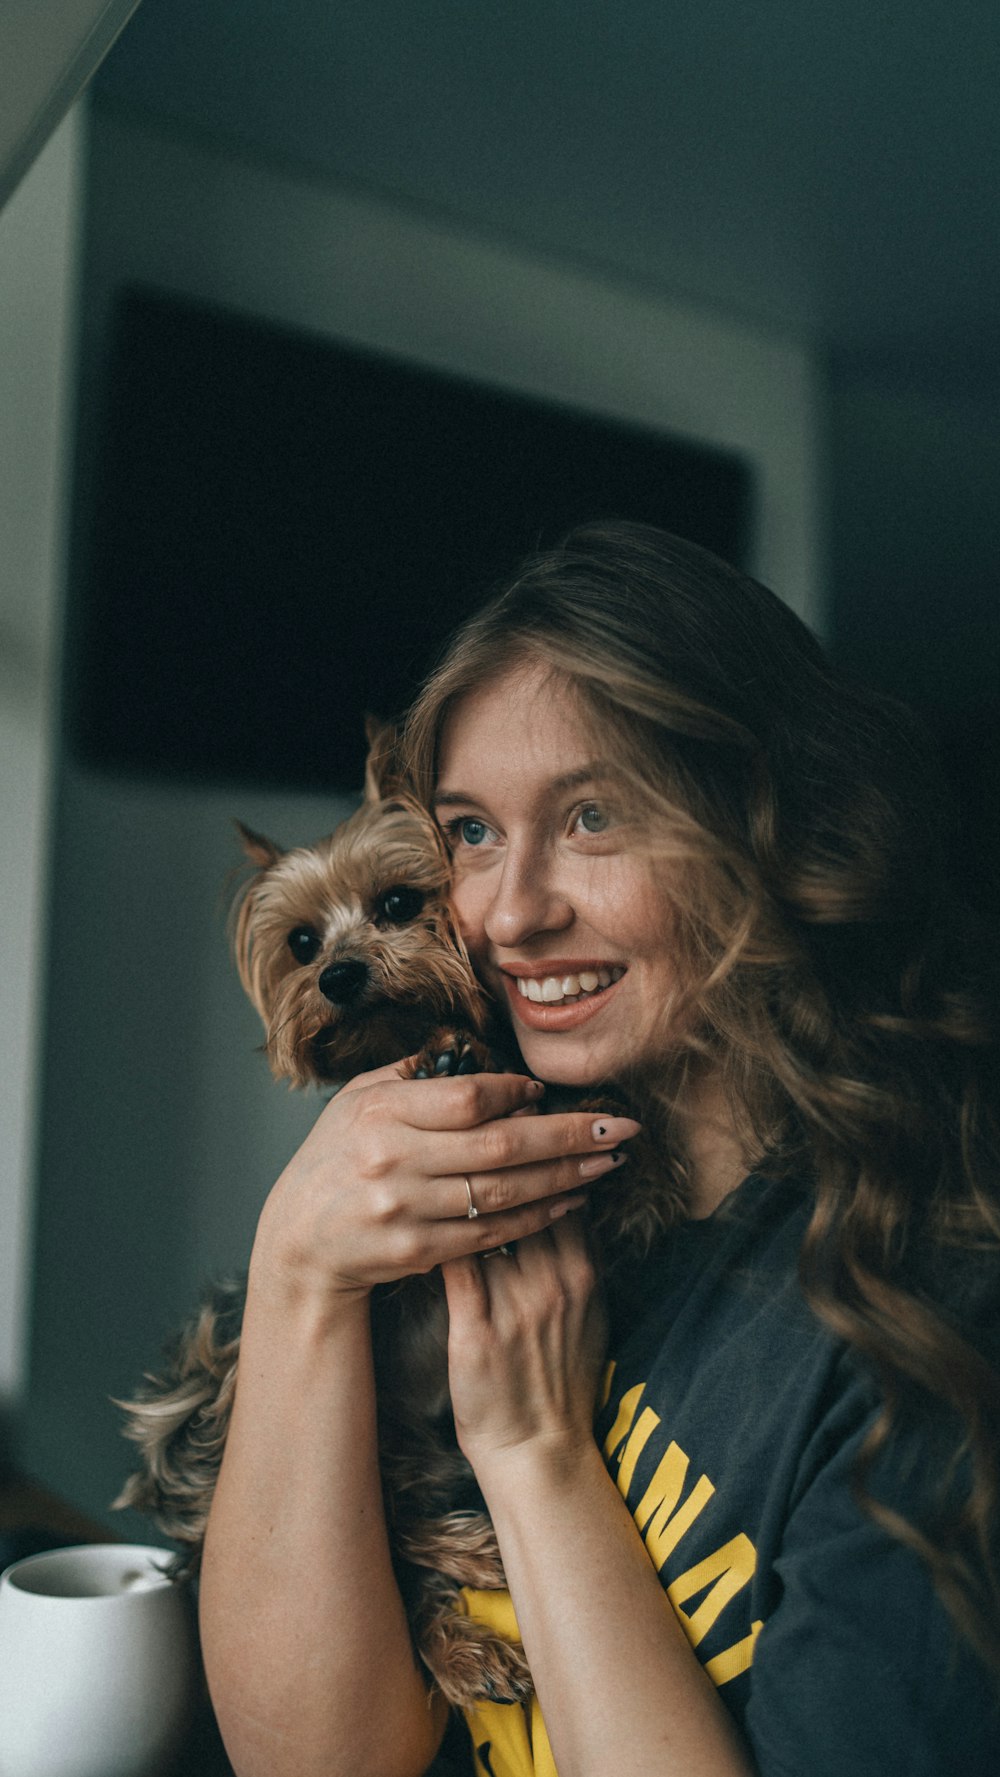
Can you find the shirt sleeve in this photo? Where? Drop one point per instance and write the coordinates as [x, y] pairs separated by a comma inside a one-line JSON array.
[[858, 1671]]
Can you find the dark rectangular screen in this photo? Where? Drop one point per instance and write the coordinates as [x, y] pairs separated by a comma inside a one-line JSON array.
[[286, 529]]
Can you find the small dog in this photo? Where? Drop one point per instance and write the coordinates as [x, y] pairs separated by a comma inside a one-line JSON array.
[[349, 953]]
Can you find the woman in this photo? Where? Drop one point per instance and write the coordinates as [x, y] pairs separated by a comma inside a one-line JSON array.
[[688, 859]]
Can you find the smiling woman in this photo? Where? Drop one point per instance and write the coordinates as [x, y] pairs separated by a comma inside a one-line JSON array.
[[746, 1498], [691, 861]]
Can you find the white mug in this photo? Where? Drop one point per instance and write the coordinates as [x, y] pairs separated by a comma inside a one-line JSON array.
[[97, 1663]]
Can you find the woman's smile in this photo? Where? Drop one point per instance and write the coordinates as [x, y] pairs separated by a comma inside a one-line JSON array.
[[558, 995], [554, 892], [567, 981]]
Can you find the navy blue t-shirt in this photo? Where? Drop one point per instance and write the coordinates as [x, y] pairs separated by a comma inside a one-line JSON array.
[[731, 1425]]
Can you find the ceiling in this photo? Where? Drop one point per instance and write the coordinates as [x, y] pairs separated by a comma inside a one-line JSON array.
[[830, 169]]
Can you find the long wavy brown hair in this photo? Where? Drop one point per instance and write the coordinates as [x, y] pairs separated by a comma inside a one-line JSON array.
[[831, 975]]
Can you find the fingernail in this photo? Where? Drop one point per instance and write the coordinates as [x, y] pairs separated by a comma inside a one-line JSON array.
[[536, 1087], [614, 1129], [564, 1206], [598, 1163]]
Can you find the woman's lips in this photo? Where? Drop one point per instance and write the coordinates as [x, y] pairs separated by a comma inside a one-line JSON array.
[[567, 1013]]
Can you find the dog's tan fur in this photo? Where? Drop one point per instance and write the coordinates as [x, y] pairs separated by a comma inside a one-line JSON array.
[[420, 994]]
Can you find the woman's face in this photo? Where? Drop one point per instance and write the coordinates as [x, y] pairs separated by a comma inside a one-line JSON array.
[[555, 897]]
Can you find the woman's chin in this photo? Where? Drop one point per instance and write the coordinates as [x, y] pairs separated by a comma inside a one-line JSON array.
[[567, 1078], [563, 1058], [577, 1072]]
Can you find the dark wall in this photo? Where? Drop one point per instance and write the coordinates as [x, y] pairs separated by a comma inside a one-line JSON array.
[[915, 580]]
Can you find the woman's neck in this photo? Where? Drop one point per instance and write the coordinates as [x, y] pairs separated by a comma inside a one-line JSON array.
[[717, 1160]]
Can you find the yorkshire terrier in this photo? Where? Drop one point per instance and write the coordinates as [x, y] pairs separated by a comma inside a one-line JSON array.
[[350, 955]]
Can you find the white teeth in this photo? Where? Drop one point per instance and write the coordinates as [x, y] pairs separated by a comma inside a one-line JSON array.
[[553, 989]]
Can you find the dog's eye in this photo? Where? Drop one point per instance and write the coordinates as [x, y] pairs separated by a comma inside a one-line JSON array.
[[304, 943], [399, 905]]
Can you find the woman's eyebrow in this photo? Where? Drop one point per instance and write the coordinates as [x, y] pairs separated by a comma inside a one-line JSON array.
[[451, 798], [570, 780], [594, 773]]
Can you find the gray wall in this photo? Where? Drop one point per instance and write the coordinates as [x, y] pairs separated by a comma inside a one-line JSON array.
[[38, 263], [162, 1128]]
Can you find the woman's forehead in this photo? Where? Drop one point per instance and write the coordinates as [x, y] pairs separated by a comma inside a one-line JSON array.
[[529, 719], [523, 734]]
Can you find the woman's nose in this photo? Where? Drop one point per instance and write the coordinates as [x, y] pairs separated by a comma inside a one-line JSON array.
[[527, 900]]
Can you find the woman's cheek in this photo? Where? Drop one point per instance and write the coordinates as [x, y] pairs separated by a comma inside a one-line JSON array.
[[469, 907]]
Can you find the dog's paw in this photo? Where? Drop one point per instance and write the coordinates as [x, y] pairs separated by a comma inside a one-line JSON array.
[[449, 1052]]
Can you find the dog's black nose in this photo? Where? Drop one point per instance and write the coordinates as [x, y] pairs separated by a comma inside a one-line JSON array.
[[341, 983]]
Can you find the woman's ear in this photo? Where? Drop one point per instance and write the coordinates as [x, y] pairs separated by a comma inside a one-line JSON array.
[[384, 775]]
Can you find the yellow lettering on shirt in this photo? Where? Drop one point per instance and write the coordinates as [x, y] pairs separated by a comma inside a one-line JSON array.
[[657, 1514], [623, 1420], [733, 1660], [635, 1444], [731, 1567], [629, 1436]]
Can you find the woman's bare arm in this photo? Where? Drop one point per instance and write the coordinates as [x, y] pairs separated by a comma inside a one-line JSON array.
[[306, 1645], [618, 1684]]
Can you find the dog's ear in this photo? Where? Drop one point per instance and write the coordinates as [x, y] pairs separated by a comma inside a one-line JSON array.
[[384, 774], [262, 852]]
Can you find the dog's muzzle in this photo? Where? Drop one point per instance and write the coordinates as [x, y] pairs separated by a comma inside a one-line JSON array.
[[341, 983]]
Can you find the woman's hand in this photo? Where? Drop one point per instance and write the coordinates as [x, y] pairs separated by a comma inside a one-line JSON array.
[[378, 1189], [526, 1343]]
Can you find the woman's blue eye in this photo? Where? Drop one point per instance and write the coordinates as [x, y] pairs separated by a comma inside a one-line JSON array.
[[471, 832], [591, 819]]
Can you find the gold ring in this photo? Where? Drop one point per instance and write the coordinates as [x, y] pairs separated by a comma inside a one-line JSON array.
[[472, 1211]]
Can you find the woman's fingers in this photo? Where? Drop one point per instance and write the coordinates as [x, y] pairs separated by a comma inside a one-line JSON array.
[[380, 1186], [476, 1129], [389, 1072], [558, 1249], [468, 1128], [521, 1160], [458, 1238], [509, 1227], [475, 1287], [459, 1102], [465, 1286], [515, 1142], [493, 1193]]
